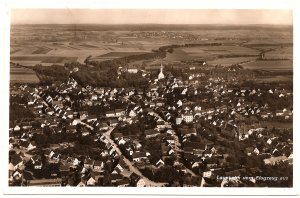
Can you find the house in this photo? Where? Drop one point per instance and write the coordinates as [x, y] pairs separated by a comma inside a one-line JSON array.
[[187, 117], [103, 127], [69, 114], [207, 173], [132, 113], [94, 97], [91, 181], [36, 161], [119, 112], [28, 145], [113, 122], [123, 182], [186, 132], [151, 105], [64, 170], [161, 124], [110, 114], [98, 165], [264, 115], [83, 115], [178, 120], [17, 174], [71, 129], [279, 113], [26, 125], [151, 133], [81, 184], [91, 118], [17, 128], [249, 150], [275, 160], [15, 162], [138, 156], [76, 162], [160, 163], [153, 87], [136, 180], [121, 165], [170, 139], [115, 177], [88, 163]]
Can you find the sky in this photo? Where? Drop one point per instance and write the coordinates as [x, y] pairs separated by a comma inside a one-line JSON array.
[[156, 16]]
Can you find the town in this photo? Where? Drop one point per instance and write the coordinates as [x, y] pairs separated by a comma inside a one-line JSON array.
[[194, 126]]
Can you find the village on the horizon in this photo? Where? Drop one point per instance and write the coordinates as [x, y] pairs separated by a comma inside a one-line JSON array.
[[151, 106]]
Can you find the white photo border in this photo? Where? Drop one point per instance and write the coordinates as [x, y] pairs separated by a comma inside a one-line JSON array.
[[140, 4]]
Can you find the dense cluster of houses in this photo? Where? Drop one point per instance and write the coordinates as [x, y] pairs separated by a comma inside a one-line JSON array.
[[191, 118]]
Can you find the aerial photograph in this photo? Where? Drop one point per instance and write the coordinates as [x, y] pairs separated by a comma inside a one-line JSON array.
[[150, 98]]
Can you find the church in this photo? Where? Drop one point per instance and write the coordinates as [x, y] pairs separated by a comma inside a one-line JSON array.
[[161, 74]]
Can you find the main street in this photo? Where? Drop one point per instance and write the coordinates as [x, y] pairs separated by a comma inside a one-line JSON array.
[[132, 168]]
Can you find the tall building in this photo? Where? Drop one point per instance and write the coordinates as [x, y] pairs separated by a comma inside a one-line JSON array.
[[161, 74]]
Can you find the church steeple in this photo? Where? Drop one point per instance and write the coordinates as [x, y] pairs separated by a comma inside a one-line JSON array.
[[161, 74]]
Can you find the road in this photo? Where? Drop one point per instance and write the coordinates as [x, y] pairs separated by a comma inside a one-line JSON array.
[[148, 182], [177, 145]]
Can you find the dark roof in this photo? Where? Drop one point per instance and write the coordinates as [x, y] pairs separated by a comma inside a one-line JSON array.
[[185, 131], [151, 132], [122, 182], [119, 110], [195, 145], [139, 154], [134, 176], [233, 173], [249, 149], [88, 161], [64, 168], [116, 177], [97, 163], [15, 159], [109, 112]]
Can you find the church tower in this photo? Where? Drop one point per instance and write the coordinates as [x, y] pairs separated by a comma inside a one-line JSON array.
[[161, 74]]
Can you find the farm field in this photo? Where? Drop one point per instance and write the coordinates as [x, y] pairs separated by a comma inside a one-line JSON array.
[[277, 78], [22, 75], [211, 54], [221, 50], [22, 54], [270, 65], [271, 124], [230, 61], [31, 45], [33, 60], [280, 53]]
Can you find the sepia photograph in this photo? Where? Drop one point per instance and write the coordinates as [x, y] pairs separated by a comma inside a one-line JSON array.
[[150, 98]]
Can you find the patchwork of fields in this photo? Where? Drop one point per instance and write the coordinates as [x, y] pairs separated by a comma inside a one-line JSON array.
[[31, 46]]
